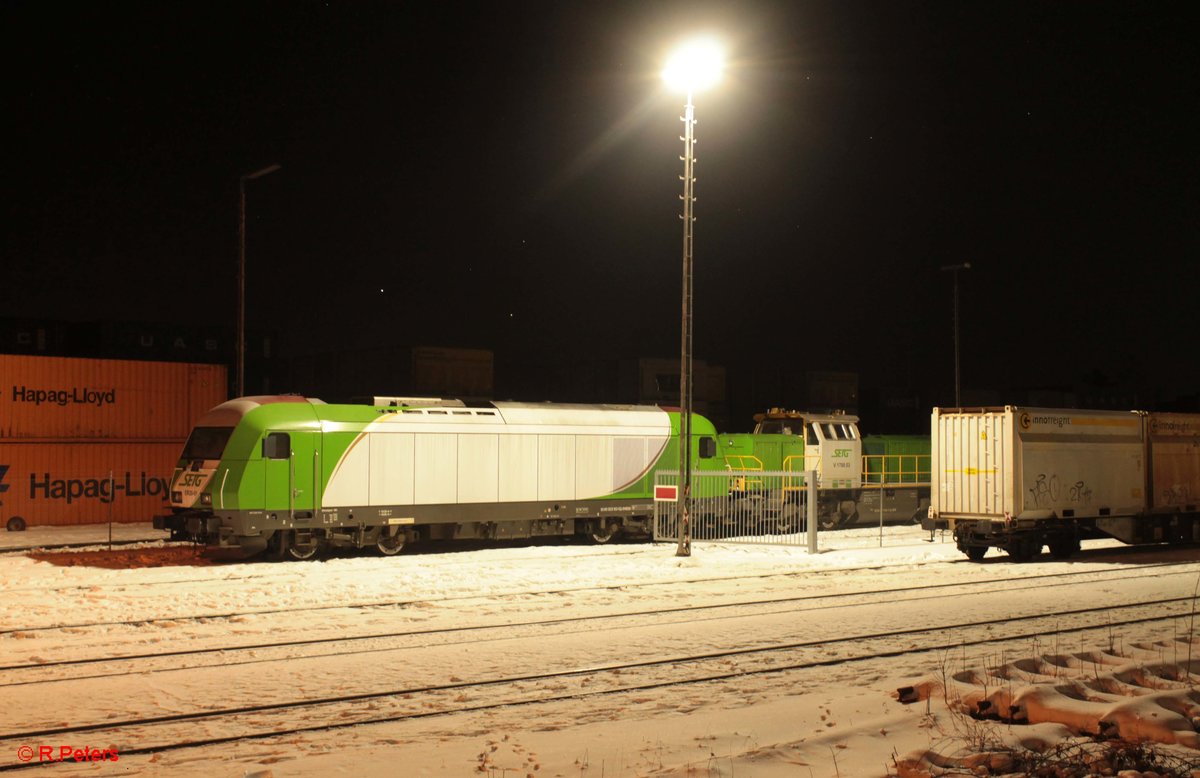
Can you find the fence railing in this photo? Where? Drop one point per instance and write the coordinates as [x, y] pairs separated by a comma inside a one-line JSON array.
[[741, 506]]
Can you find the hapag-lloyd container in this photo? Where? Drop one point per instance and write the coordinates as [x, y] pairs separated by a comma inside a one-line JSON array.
[[88, 440], [72, 482], [61, 398]]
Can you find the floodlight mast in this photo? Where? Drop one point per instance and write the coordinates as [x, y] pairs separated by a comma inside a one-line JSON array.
[[241, 304], [686, 326], [957, 375], [695, 66]]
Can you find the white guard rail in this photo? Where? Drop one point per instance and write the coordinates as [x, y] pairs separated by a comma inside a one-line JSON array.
[[747, 506]]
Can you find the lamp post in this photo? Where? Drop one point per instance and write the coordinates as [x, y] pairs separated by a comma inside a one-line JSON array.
[[694, 66], [957, 383], [241, 313]]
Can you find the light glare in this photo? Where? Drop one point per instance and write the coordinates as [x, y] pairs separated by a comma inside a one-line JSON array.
[[695, 66]]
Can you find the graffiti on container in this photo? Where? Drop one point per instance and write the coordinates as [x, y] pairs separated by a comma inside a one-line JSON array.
[[1081, 492], [1179, 493], [1044, 491]]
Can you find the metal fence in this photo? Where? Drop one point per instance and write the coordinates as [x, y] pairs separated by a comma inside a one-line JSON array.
[[741, 506]]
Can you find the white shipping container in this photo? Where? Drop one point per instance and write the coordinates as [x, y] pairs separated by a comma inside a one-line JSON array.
[[1037, 463]]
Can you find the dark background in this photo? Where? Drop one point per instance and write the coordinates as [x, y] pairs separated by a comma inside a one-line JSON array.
[[505, 176]]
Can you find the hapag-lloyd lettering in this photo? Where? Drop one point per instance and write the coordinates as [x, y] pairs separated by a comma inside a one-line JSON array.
[[81, 395], [102, 489]]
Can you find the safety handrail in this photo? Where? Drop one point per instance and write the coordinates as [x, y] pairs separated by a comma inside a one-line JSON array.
[[896, 468]]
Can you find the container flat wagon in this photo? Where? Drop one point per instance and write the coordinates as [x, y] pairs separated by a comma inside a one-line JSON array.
[[1019, 479]]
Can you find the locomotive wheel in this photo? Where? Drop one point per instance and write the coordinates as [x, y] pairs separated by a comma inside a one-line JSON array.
[[389, 545], [786, 521], [830, 520], [604, 535], [302, 551]]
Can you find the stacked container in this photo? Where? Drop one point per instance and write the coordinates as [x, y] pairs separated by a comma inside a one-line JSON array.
[[88, 440]]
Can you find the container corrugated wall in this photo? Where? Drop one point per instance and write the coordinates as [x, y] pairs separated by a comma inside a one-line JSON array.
[[58, 398], [1037, 463], [67, 482], [66, 424], [1174, 461]]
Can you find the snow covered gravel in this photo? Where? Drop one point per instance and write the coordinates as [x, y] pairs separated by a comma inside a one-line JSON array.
[[391, 616]]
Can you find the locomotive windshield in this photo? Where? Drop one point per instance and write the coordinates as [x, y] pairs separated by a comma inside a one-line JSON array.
[[207, 442]]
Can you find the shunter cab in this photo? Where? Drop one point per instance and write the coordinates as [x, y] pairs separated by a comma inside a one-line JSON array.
[[795, 441]]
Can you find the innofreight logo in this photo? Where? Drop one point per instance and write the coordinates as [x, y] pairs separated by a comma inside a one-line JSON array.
[[81, 395], [3, 472]]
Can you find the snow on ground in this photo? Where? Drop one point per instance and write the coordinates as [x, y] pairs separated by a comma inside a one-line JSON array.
[[836, 720]]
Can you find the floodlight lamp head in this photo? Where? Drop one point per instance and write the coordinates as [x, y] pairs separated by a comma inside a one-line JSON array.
[[695, 65]]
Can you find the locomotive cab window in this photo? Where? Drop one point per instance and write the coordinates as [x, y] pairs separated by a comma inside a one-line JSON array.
[[207, 442], [277, 445], [708, 447]]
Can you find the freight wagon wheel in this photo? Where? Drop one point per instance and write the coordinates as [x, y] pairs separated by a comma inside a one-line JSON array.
[[16, 524], [1023, 549], [1063, 547], [975, 553], [390, 545]]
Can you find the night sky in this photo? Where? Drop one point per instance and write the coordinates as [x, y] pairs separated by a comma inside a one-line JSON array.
[[506, 176]]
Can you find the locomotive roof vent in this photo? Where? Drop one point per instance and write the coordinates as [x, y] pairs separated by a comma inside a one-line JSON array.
[[417, 402]]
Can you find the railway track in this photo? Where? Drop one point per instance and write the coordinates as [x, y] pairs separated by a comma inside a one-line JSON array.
[[342, 645], [277, 570], [95, 544], [627, 585], [445, 557], [171, 732]]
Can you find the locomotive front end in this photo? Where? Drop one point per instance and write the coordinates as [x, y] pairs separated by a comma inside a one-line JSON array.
[[216, 488], [191, 486]]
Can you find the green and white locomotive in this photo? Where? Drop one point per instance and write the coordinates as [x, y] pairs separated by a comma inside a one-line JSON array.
[[292, 475]]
